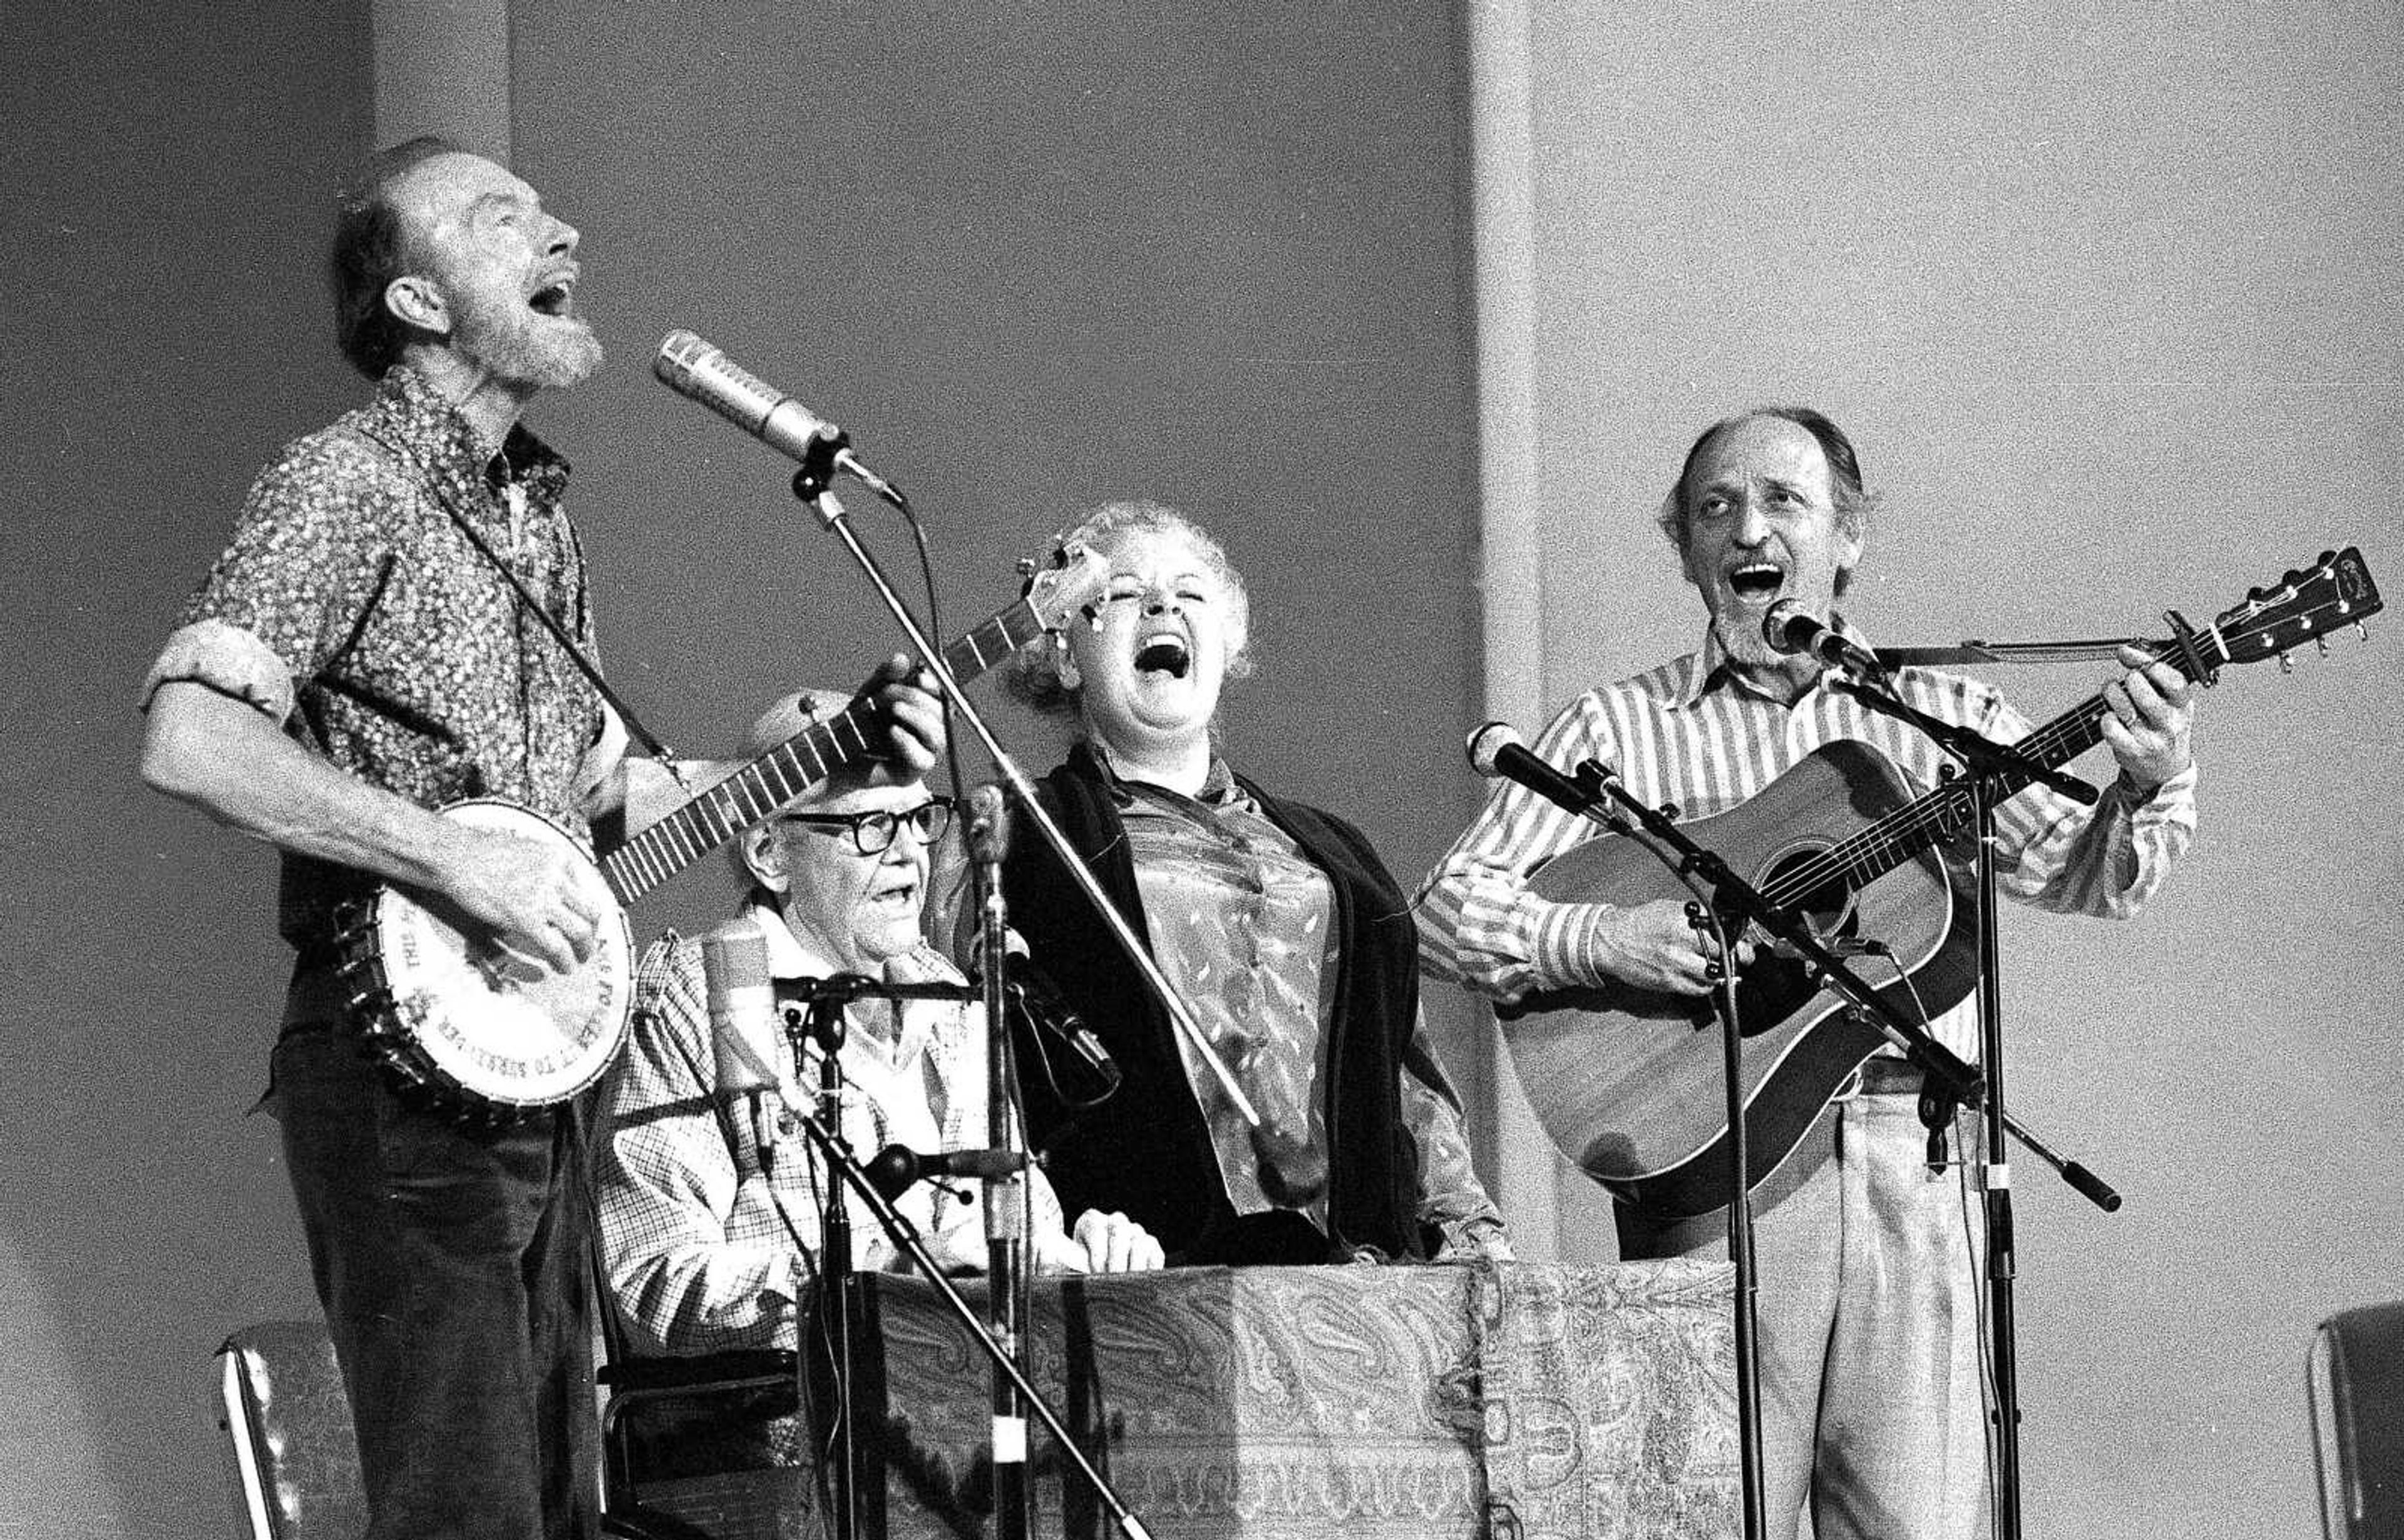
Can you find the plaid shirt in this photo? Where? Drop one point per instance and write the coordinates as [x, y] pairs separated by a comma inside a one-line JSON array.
[[705, 1243], [1690, 732]]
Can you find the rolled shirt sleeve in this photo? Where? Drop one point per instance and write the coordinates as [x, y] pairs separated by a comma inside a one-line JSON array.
[[1478, 922], [307, 555]]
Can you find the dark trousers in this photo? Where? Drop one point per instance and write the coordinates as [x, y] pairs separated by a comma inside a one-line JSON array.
[[451, 1265]]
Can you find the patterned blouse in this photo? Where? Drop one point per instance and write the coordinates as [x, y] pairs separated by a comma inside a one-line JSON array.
[[351, 610], [1238, 921]]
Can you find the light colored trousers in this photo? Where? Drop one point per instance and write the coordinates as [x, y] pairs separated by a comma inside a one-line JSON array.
[[1870, 1288]]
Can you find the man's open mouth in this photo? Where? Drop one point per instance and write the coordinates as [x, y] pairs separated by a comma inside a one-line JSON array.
[[1757, 581], [556, 298], [1163, 655]]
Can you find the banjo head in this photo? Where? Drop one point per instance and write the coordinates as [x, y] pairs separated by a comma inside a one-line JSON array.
[[453, 1012]]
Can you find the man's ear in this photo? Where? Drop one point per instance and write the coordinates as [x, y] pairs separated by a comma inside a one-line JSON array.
[[763, 855], [415, 300]]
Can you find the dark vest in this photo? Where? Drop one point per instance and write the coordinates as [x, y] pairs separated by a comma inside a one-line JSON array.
[[1146, 1150]]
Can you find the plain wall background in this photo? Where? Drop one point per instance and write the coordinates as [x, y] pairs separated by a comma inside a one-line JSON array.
[[2108, 296], [165, 184], [1032, 259]]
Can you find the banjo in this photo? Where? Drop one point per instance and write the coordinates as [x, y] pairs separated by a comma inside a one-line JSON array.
[[462, 1021]]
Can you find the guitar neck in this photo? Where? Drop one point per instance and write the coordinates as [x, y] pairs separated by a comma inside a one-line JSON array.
[[2082, 727], [1946, 811], [754, 793]]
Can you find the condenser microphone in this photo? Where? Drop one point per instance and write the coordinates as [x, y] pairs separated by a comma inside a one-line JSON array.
[[742, 1016], [1790, 629], [1496, 749], [693, 368], [988, 827]]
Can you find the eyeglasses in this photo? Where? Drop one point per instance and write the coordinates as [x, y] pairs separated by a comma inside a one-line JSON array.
[[873, 832]]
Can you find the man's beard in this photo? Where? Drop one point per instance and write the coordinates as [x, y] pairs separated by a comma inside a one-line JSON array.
[[511, 342], [1741, 639]]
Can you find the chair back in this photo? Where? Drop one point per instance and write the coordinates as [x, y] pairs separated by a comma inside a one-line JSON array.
[[287, 1419], [2354, 1378]]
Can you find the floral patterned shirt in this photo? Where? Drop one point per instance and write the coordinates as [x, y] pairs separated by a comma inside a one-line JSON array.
[[351, 610]]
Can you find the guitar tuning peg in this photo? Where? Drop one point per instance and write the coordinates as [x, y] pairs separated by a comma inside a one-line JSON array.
[[1026, 565], [2287, 662], [2322, 642]]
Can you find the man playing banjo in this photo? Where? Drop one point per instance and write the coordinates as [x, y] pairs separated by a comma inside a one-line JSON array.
[[366, 651]]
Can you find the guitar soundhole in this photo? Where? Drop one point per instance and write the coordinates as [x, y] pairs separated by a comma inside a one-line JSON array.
[[1778, 982]]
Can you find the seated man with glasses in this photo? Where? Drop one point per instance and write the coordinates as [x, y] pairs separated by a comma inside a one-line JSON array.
[[709, 1238]]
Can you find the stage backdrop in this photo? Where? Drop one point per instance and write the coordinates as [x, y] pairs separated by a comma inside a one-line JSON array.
[[1033, 258], [2108, 295], [167, 181]]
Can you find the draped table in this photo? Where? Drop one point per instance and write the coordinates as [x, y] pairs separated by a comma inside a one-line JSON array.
[[1520, 1401]]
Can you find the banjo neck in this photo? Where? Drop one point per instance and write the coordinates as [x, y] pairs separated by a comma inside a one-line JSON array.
[[753, 793]]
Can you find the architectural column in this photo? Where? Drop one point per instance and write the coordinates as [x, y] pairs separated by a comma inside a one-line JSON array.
[[1510, 533]]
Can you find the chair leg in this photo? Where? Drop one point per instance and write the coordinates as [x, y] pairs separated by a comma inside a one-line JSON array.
[[251, 1490]]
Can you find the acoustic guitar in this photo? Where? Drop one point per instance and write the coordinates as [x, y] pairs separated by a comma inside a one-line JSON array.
[[1628, 1083], [461, 1020]]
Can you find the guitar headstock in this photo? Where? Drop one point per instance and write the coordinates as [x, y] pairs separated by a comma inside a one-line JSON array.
[[1058, 590], [2336, 591]]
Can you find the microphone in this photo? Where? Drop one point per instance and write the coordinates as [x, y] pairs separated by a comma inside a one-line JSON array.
[[693, 368], [1497, 750], [1040, 1001], [988, 830], [896, 1167], [1789, 628], [742, 1003]]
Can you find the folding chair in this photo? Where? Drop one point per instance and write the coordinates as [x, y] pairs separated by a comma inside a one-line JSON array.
[[295, 1461], [2354, 1378]]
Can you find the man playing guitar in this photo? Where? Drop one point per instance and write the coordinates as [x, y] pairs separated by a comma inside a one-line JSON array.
[[1871, 1408], [364, 652]]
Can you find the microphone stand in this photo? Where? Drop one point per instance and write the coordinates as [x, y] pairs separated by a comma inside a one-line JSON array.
[[1598, 787], [826, 1133], [825, 1026], [1994, 773], [810, 487], [1006, 1195]]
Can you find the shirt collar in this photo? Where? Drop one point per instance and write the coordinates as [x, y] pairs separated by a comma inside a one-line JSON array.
[[1707, 670], [790, 956], [417, 418], [1219, 785]]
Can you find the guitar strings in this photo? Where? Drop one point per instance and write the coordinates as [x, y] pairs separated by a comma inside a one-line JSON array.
[[1879, 847]]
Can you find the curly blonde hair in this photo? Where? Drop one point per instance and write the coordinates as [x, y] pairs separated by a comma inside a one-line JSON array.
[[1032, 675]]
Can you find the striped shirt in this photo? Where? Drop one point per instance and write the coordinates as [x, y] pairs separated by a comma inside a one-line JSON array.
[[1693, 732]]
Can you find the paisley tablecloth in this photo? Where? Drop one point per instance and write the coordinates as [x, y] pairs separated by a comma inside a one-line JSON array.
[[1518, 1401]]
